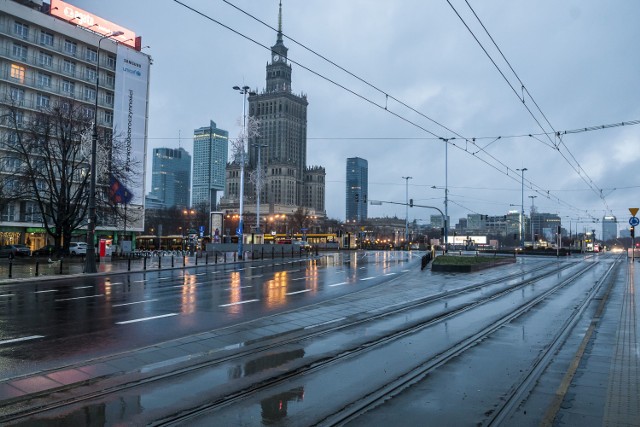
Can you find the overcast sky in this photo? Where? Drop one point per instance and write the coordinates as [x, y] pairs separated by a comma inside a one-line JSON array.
[[578, 60]]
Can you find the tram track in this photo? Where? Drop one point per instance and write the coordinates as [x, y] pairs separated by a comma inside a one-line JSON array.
[[537, 274]]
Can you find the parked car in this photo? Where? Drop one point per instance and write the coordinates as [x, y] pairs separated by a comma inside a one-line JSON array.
[[15, 250], [77, 248], [47, 250]]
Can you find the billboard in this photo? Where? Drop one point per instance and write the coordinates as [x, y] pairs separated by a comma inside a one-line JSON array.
[[82, 18], [130, 113]]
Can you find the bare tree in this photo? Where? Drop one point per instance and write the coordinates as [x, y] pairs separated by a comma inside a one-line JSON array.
[[52, 150]]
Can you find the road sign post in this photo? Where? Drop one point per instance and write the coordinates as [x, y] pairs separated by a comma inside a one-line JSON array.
[[633, 222]]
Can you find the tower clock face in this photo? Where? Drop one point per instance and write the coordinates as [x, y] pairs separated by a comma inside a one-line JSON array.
[[276, 58]]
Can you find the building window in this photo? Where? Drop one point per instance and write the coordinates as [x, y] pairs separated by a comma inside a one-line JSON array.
[[87, 112], [19, 118], [111, 62], [110, 80], [91, 55], [17, 95], [44, 80], [17, 73], [19, 51], [42, 101], [45, 59], [69, 87], [9, 213], [70, 47], [69, 67], [32, 213], [90, 74], [21, 30], [46, 38], [108, 98], [89, 94], [108, 117]]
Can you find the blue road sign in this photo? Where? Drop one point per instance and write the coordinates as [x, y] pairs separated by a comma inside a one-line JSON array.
[[238, 232], [634, 221]]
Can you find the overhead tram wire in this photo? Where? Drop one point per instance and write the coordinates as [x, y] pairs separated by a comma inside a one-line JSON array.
[[374, 103], [590, 183]]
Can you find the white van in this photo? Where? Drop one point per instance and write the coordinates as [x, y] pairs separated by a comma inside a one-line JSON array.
[[77, 248]]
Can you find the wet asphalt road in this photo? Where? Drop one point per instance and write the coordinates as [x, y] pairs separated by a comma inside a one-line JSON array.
[[55, 323]]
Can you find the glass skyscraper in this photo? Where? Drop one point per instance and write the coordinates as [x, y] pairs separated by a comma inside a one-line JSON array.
[[210, 153], [357, 189], [171, 177]]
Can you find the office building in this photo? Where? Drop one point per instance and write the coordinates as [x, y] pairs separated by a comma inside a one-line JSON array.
[[280, 149], [210, 153], [609, 228], [57, 57], [170, 177], [357, 189]]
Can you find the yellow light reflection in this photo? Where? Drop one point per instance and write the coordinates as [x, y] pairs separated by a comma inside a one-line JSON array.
[[188, 300], [236, 293], [277, 290]]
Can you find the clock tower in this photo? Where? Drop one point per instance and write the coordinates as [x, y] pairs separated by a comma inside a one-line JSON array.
[[279, 71]]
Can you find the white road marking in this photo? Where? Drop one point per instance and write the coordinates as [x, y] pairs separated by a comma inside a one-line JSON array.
[[238, 303], [165, 278], [31, 337], [390, 274], [48, 290], [339, 284], [241, 287], [85, 297], [143, 319], [200, 274], [368, 278], [325, 323], [82, 287], [115, 283], [298, 292], [139, 281], [132, 303], [302, 278], [6, 295]]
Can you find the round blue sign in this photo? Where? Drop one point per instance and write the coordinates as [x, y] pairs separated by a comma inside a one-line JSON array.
[[634, 221]]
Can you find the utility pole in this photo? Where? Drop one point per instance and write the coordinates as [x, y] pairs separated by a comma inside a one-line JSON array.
[[406, 218]]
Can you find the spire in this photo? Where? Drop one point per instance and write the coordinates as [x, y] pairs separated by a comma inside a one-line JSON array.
[[280, 23]]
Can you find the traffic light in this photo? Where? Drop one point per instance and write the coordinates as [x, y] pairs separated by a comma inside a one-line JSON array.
[[410, 203], [357, 197], [633, 231]]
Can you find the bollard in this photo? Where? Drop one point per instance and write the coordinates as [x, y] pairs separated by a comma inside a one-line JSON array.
[[282, 252], [159, 262], [262, 254], [225, 257], [37, 267], [292, 252], [196, 258], [61, 265], [235, 256], [184, 261], [273, 252], [10, 268], [144, 263], [316, 251], [215, 257], [171, 261], [129, 263], [206, 259]]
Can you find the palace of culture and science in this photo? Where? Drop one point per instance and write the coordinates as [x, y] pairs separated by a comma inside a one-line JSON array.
[[287, 182]]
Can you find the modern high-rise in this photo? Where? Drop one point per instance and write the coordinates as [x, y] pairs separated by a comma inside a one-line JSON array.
[[609, 228], [54, 55], [357, 189], [280, 150], [171, 177], [210, 153]]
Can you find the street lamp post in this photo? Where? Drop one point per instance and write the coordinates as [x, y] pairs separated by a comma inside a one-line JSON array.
[[244, 91], [406, 217], [90, 258], [522, 208]]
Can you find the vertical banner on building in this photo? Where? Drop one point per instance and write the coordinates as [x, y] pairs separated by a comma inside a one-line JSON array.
[[130, 114]]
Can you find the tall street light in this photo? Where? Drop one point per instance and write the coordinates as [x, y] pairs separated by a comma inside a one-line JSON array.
[[90, 258], [406, 217], [244, 91], [522, 208]]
